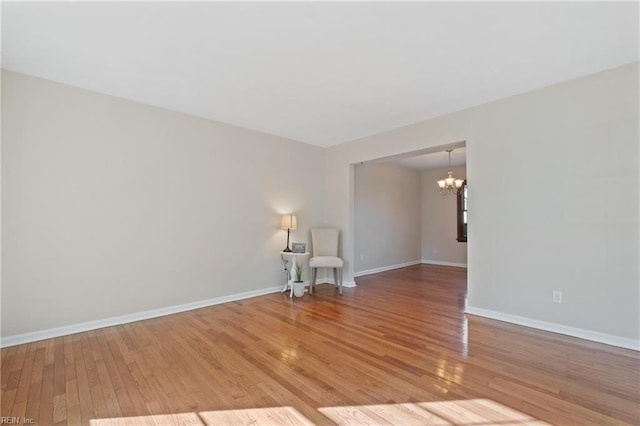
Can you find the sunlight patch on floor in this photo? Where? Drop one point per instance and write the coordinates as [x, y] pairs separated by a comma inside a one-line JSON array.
[[471, 412], [256, 416], [184, 419], [249, 416]]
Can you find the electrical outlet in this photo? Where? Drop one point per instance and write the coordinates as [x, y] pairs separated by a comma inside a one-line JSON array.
[[557, 296]]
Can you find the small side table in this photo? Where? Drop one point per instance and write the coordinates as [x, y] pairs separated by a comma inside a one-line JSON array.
[[287, 257]]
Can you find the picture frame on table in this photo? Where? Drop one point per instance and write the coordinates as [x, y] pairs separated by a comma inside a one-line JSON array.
[[298, 248]]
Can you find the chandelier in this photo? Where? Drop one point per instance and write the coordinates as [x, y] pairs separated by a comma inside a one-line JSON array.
[[450, 185]]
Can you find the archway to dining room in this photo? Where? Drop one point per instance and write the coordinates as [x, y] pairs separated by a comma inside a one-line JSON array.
[[401, 218]]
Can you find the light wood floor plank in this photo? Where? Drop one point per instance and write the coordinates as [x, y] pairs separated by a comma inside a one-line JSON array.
[[32, 408]]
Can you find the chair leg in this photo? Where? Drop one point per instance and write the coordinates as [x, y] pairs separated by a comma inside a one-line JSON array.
[[335, 276], [340, 278], [314, 272]]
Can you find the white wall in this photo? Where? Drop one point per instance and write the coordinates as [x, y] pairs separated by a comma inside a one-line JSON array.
[[387, 216], [112, 207], [553, 181], [440, 220]]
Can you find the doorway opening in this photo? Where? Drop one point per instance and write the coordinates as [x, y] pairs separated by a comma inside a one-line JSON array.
[[399, 217]]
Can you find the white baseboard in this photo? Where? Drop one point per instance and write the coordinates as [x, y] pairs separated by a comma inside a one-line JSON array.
[[332, 281], [437, 262], [386, 268], [594, 336], [124, 319]]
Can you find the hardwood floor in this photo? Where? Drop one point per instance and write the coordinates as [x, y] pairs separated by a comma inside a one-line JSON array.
[[396, 349]]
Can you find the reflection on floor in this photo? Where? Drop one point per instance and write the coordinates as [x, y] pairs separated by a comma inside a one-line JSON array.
[[473, 412]]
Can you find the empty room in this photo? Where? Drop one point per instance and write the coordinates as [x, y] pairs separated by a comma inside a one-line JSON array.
[[321, 213]]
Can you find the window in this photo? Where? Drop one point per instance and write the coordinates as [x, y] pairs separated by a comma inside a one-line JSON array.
[[462, 214]]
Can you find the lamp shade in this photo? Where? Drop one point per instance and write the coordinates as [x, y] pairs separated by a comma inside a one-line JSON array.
[[289, 221]]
